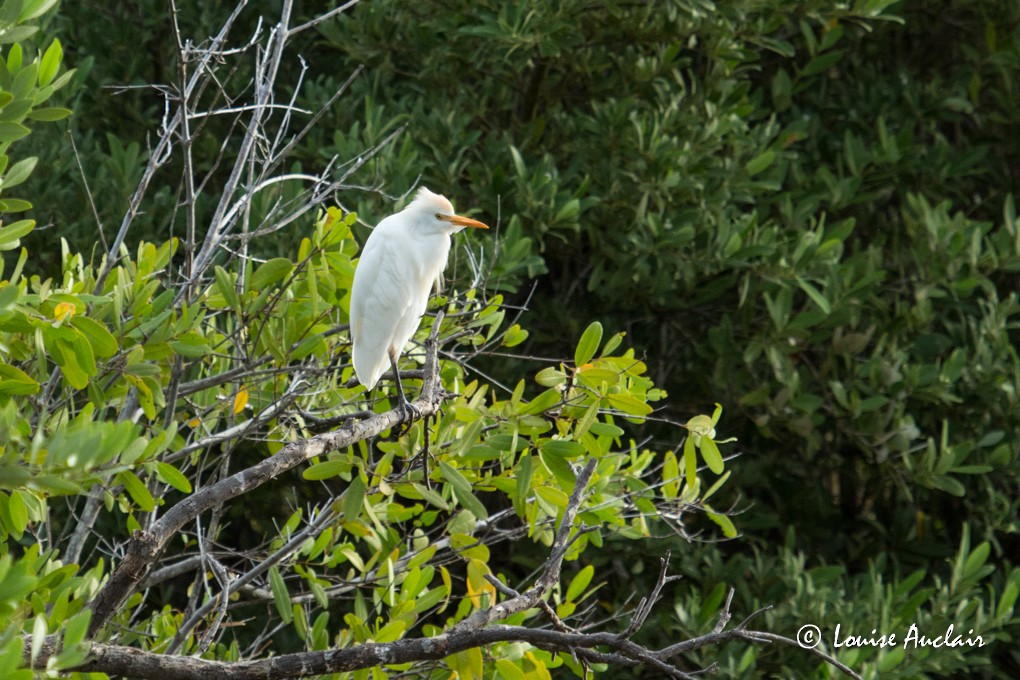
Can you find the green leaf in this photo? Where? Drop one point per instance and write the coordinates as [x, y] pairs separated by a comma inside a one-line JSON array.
[[430, 495], [560, 469], [391, 631], [14, 204], [629, 404], [280, 595], [76, 627], [523, 474], [588, 344], [519, 166], [514, 336], [271, 272], [710, 452], [137, 490], [550, 377], [815, 295], [18, 512], [326, 469], [174, 477], [14, 381], [562, 448], [761, 162], [191, 345], [354, 498], [557, 498], [50, 63], [690, 462], [10, 234], [72, 371], [14, 56], [225, 287], [19, 172], [24, 82], [568, 210], [17, 110], [48, 115], [103, 343], [823, 62], [508, 670], [462, 490], [32, 9], [976, 560], [949, 484], [542, 403], [579, 583], [724, 523], [39, 631], [83, 353]]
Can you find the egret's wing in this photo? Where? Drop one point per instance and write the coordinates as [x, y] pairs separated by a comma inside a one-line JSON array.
[[386, 303]]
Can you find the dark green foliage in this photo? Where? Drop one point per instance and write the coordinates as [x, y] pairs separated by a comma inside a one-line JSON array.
[[801, 209]]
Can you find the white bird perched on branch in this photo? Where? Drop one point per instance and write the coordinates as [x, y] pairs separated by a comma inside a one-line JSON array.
[[403, 258]]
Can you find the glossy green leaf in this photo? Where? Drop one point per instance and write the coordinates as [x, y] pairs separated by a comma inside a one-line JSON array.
[[50, 63], [588, 344], [724, 522], [579, 583], [48, 115], [713, 458], [326, 469], [137, 490], [270, 273], [12, 132], [104, 344], [629, 404], [543, 402], [174, 477], [10, 233], [19, 172]]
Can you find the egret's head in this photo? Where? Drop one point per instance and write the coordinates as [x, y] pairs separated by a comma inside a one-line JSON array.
[[437, 212]]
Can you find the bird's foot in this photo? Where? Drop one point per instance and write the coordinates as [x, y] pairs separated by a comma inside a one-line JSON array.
[[408, 414]]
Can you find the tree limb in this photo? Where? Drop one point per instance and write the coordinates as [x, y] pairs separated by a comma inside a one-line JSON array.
[[146, 546]]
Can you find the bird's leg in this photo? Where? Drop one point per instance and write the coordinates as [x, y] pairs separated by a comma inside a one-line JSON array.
[[425, 454], [407, 409]]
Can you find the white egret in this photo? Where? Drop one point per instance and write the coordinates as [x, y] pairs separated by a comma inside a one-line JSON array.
[[403, 258]]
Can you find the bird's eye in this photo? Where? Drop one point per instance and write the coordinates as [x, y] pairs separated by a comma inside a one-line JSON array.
[[439, 216]]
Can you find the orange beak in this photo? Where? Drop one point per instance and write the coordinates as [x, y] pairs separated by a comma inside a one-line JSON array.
[[463, 221]]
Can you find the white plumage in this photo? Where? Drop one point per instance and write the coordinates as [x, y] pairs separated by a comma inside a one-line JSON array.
[[403, 258]]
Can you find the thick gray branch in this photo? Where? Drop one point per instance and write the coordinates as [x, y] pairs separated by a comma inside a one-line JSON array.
[[136, 663], [146, 546]]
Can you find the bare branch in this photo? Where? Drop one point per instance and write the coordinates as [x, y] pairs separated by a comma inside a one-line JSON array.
[[146, 546], [136, 663], [325, 17], [159, 155]]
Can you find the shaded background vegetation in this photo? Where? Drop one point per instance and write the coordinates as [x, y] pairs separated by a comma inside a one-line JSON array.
[[801, 210]]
